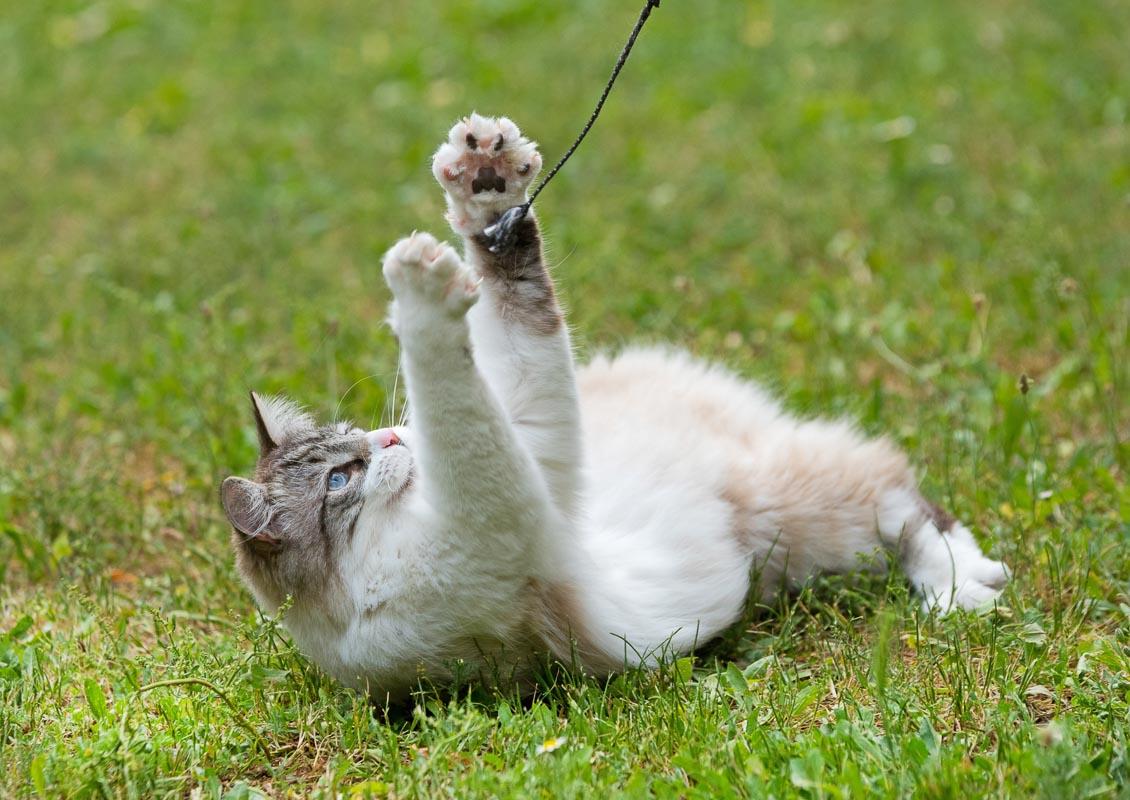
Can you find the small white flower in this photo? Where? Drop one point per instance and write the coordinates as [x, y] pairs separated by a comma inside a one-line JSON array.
[[551, 744]]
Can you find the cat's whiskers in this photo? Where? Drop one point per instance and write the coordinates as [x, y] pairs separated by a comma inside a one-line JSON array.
[[389, 405], [353, 386], [392, 396]]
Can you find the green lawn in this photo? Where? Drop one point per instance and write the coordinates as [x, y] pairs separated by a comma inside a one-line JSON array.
[[889, 210]]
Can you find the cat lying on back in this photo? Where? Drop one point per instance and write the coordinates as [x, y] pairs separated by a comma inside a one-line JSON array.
[[608, 515]]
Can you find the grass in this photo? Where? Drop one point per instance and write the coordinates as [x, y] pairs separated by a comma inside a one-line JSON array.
[[892, 211]]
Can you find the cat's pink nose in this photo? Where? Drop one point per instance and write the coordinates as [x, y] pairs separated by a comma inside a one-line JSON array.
[[383, 437]]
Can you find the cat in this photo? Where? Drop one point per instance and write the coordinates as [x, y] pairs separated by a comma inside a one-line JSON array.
[[608, 515]]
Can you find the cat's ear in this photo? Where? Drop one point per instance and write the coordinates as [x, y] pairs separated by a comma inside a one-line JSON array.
[[276, 418], [245, 503]]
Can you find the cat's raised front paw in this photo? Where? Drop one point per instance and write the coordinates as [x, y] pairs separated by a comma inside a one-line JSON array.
[[485, 167], [423, 271]]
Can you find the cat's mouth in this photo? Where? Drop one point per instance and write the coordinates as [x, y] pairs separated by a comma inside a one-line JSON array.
[[409, 481], [395, 480], [392, 470]]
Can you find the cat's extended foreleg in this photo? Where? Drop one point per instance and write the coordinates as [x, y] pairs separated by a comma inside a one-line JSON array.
[[472, 469], [521, 342]]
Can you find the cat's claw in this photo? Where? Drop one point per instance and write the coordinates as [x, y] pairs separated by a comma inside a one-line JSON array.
[[423, 271], [485, 168]]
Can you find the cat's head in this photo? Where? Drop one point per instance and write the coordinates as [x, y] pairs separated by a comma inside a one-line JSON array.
[[296, 522]]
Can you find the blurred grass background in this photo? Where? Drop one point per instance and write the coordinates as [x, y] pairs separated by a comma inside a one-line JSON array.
[[886, 210]]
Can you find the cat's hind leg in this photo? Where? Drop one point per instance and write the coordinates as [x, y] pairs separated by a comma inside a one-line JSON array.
[[520, 340], [940, 557], [820, 497]]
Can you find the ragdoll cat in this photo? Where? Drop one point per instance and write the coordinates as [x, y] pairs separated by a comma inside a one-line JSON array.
[[608, 515]]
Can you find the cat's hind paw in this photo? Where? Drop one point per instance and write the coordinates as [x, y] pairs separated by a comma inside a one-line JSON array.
[[484, 167], [969, 595], [961, 577], [422, 271]]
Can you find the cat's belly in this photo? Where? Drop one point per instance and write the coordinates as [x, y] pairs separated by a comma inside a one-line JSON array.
[[660, 418], [663, 434]]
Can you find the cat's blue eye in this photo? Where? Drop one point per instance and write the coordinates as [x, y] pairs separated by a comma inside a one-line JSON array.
[[338, 479]]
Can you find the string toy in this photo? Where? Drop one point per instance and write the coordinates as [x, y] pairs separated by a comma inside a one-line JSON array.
[[501, 233]]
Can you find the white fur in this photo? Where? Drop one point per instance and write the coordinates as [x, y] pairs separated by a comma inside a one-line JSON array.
[[643, 487]]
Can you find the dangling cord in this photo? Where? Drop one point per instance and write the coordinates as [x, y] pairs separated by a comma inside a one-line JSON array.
[[501, 233]]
